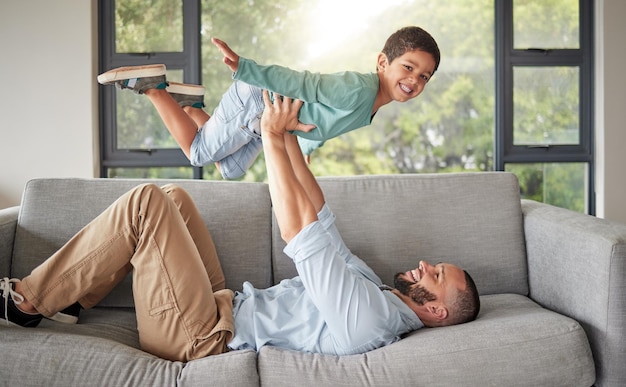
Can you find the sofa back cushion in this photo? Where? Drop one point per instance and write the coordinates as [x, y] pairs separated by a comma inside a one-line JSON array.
[[473, 220], [237, 214]]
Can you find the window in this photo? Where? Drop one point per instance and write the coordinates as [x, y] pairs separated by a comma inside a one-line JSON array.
[[134, 141], [451, 127], [544, 101]]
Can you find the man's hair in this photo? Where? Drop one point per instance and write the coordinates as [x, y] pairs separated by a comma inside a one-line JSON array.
[[466, 305], [410, 39]]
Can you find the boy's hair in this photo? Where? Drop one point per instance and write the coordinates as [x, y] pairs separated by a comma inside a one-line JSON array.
[[410, 39]]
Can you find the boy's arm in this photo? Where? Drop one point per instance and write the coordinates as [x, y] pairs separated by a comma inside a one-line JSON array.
[[339, 90], [231, 59]]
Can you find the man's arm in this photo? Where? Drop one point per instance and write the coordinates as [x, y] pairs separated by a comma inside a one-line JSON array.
[[293, 207], [303, 173]]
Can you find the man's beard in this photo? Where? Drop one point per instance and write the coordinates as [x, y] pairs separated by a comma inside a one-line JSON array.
[[413, 290]]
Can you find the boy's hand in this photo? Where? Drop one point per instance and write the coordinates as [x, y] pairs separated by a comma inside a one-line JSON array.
[[230, 58]]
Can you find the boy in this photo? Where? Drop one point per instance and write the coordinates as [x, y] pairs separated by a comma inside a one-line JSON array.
[[333, 103]]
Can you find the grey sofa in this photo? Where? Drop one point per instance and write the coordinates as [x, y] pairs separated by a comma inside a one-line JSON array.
[[552, 286]]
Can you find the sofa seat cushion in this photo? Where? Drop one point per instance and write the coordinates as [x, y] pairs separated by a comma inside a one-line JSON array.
[[104, 346], [514, 342]]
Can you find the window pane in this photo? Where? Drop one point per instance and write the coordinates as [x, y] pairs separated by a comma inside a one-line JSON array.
[[449, 127], [138, 123], [560, 184], [151, 173], [148, 26], [545, 24], [546, 106]]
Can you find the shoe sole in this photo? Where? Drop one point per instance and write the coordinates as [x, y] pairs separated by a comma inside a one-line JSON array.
[[185, 89], [130, 72], [64, 318]]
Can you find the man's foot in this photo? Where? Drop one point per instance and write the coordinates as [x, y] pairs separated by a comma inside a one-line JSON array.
[[68, 315], [136, 78], [9, 311], [186, 94]]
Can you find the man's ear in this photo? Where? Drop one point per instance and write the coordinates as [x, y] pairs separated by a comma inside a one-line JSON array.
[[382, 63], [438, 311]]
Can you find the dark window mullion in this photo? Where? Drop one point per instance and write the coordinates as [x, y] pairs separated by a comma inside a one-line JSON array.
[[504, 82]]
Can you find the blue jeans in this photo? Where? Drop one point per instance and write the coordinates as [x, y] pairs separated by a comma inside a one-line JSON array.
[[232, 135]]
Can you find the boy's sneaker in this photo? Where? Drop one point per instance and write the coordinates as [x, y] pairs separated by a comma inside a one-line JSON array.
[[187, 95], [68, 315], [136, 78], [9, 311]]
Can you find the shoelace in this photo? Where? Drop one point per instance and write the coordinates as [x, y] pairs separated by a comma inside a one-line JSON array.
[[7, 290]]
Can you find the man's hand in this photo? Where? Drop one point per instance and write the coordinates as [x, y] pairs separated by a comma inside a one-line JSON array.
[[231, 59], [282, 115]]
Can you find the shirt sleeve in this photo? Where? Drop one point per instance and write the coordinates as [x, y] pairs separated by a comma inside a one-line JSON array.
[[308, 146], [355, 309], [339, 90], [327, 219]]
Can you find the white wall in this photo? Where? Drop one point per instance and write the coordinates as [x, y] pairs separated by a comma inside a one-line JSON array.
[[48, 110], [611, 109], [48, 103]]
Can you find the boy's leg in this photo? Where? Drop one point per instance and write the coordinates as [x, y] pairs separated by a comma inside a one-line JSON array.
[[150, 80], [177, 313], [191, 99], [178, 122], [236, 165], [199, 233], [198, 115], [234, 125]]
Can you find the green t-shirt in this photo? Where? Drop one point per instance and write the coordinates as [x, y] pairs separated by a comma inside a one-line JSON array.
[[335, 103]]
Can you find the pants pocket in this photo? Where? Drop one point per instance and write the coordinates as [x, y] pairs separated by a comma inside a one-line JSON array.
[[230, 105]]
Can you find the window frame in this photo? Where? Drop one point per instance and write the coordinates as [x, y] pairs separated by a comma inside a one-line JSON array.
[[189, 60], [507, 58]]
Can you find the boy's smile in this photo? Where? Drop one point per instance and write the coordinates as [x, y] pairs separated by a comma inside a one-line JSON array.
[[405, 77]]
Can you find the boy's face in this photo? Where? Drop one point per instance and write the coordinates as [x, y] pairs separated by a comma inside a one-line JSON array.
[[406, 76]]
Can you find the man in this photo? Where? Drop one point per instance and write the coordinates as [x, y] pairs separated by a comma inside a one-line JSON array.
[[336, 305]]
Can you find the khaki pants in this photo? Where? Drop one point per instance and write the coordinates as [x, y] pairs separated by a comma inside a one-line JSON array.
[[183, 310]]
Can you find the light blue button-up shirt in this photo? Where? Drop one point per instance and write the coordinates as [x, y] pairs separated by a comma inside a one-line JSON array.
[[335, 305]]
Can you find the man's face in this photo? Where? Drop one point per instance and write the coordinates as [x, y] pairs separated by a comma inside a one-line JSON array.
[[428, 283]]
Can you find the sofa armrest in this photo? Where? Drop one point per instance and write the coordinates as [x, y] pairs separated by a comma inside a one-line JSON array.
[[8, 224], [577, 267]]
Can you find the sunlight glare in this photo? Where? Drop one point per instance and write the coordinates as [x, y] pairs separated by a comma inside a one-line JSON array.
[[335, 21]]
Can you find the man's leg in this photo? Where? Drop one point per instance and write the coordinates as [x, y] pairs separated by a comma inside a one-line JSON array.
[[177, 313], [199, 233]]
